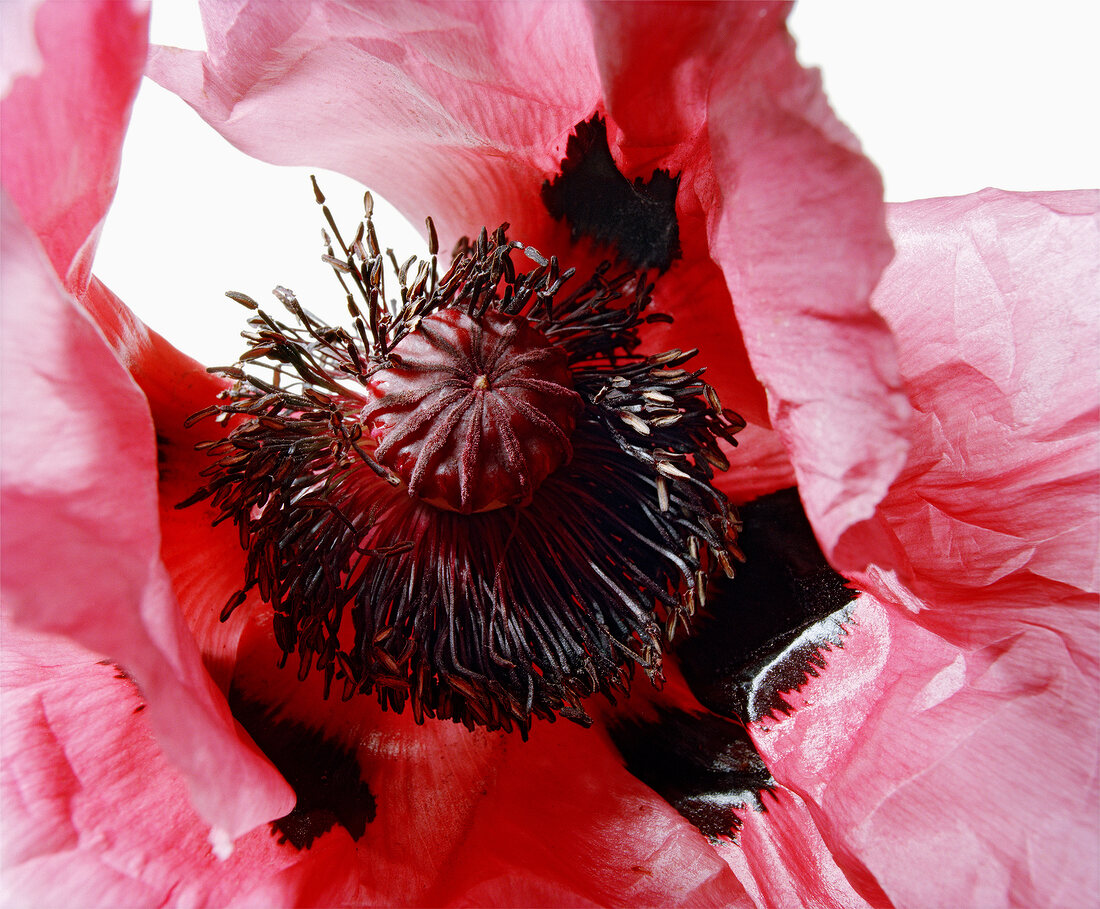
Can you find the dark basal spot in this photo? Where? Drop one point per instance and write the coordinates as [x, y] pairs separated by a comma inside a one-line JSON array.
[[704, 766], [324, 775], [765, 631], [638, 219]]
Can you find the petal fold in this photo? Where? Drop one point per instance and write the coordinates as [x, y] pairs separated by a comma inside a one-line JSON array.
[[774, 190], [457, 110], [94, 814], [993, 298], [63, 126], [886, 748], [791, 864], [951, 747], [81, 539], [800, 236], [79, 475]]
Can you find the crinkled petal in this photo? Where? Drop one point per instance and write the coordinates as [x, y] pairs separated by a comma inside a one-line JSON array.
[[656, 95], [792, 215], [789, 863], [205, 563], [564, 810], [951, 747], [81, 472], [957, 777], [457, 110], [463, 818], [94, 815], [483, 818], [63, 126], [799, 234], [994, 300], [81, 539]]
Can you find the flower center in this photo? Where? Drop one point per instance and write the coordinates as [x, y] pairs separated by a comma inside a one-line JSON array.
[[559, 520], [473, 414]]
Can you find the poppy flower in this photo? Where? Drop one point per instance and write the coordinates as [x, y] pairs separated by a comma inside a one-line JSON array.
[[932, 740]]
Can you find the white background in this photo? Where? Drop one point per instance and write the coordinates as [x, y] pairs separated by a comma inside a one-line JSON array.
[[947, 98]]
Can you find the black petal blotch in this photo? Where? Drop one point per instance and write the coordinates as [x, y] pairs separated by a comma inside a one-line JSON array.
[[705, 766], [637, 219], [765, 631], [324, 774]]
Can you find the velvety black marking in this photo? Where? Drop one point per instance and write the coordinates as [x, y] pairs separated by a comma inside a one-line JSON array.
[[704, 766], [638, 219], [324, 775], [764, 632]]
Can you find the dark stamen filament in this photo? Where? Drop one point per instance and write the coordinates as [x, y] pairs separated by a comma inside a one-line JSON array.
[[538, 515]]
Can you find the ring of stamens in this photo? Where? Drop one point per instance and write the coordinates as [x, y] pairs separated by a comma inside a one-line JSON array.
[[472, 599]]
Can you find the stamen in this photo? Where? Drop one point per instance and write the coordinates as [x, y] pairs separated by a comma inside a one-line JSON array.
[[464, 475]]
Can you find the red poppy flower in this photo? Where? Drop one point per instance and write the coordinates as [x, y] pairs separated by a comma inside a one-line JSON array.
[[944, 754]]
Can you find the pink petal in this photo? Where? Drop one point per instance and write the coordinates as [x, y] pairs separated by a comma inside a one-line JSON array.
[[695, 292], [783, 851], [800, 237], [63, 127], [957, 761], [75, 111], [205, 564], [463, 819], [458, 110], [956, 777], [21, 55], [564, 811], [793, 215], [658, 66], [81, 547], [996, 508], [479, 818], [95, 815]]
